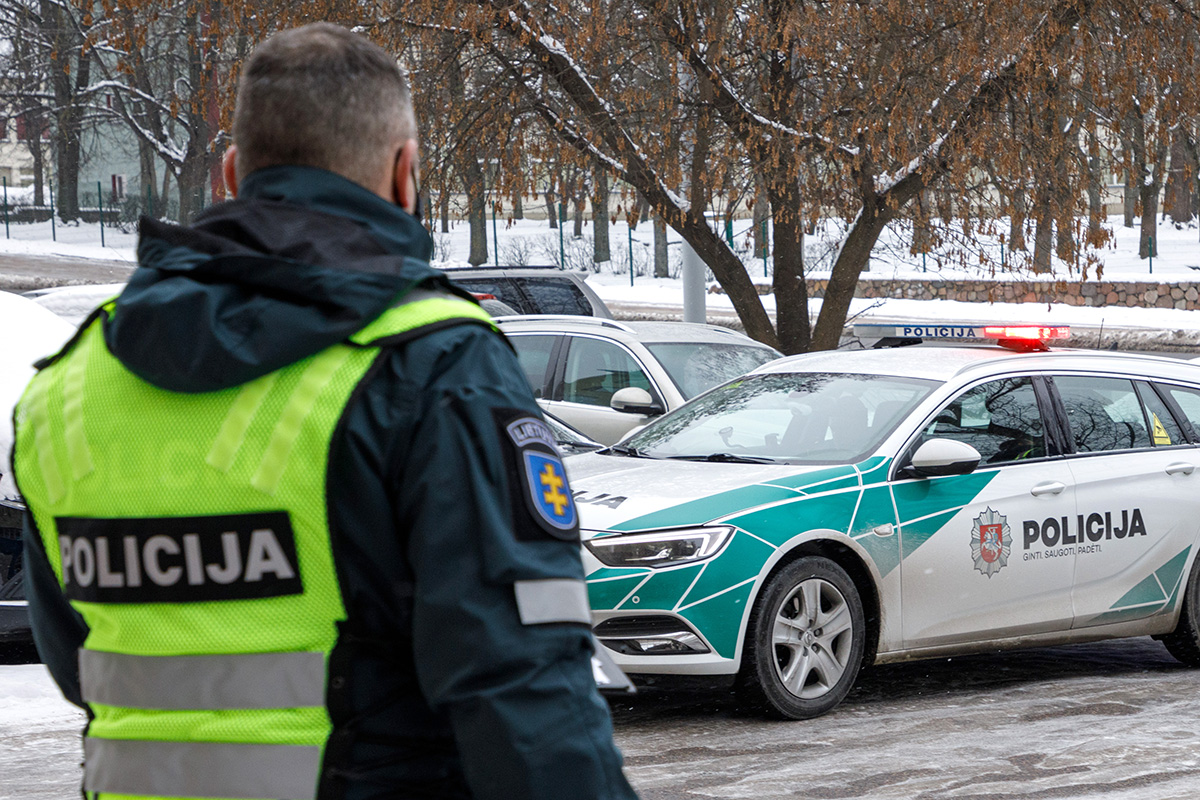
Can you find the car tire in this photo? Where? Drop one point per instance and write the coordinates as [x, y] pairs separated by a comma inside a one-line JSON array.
[[805, 641], [1184, 641]]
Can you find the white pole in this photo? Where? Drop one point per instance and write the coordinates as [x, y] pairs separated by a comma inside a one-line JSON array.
[[693, 286]]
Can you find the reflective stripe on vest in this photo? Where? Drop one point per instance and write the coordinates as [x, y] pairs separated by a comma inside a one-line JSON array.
[[238, 681], [201, 769]]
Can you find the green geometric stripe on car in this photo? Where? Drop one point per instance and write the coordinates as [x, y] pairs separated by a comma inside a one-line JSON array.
[[1157, 591], [1155, 587], [917, 499], [779, 523], [606, 594], [870, 466], [1171, 573], [822, 480], [720, 617], [875, 509], [608, 573], [664, 588], [741, 559]]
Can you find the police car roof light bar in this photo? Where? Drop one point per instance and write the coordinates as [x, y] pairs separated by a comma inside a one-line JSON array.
[[1016, 337]]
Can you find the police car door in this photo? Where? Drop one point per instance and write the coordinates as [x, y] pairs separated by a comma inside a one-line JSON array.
[[965, 570], [1135, 482]]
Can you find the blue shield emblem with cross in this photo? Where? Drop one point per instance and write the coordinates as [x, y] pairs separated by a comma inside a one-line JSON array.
[[547, 481]]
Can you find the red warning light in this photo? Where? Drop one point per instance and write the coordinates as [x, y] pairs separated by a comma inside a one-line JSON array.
[[1040, 333]]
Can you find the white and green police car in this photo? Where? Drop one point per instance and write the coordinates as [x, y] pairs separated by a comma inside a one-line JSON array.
[[834, 510]]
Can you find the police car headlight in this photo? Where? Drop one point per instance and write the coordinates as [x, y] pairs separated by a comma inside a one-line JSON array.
[[661, 548]]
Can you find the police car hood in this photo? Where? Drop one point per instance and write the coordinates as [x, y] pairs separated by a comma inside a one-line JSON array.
[[302, 251], [624, 493]]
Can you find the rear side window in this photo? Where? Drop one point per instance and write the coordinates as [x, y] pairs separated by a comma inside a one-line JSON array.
[[1164, 430], [1188, 401], [555, 296], [1104, 413], [533, 353]]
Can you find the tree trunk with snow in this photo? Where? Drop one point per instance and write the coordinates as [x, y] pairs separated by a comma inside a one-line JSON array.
[[1180, 181], [476, 212], [1095, 187], [1043, 238], [662, 259], [792, 324], [551, 210], [601, 252]]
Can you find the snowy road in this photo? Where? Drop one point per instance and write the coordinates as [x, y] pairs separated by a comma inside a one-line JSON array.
[[1109, 720], [1115, 720]]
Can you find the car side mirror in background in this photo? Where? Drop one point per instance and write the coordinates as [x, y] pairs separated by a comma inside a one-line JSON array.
[[633, 400], [938, 457]]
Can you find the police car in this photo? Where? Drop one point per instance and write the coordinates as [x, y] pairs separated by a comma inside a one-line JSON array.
[[834, 510]]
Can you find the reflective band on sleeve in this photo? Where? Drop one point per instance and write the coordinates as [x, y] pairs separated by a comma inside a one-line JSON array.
[[315, 378], [201, 769], [237, 422], [242, 681], [553, 600]]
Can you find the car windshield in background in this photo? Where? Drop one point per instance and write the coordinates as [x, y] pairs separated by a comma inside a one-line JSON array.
[[796, 418], [696, 367]]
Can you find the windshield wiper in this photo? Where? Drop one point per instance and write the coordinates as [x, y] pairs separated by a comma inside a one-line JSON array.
[[623, 450], [727, 458]]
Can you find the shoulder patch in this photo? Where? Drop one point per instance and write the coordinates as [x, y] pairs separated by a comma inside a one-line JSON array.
[[537, 469]]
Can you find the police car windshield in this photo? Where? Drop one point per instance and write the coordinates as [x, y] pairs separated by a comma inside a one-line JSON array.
[[799, 418]]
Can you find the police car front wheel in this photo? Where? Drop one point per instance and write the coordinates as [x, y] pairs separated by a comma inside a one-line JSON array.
[[805, 641]]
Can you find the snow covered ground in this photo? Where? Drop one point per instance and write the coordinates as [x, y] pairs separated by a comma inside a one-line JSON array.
[[533, 242]]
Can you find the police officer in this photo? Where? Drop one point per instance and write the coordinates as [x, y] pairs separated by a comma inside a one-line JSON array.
[[297, 529]]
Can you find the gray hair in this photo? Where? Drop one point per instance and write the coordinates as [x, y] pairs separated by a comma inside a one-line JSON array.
[[321, 96]]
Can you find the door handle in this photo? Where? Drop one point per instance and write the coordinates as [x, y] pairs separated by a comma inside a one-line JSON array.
[[1180, 468], [1049, 487]]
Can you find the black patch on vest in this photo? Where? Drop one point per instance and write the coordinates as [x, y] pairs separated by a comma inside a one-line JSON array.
[[178, 559], [539, 508]]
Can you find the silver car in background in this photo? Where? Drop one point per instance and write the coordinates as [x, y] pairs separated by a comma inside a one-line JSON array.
[[606, 377]]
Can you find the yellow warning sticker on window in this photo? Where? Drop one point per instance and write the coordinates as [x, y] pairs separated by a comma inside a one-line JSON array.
[[1160, 433]]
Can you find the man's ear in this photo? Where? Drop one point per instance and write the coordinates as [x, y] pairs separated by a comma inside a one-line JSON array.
[[229, 170], [404, 185]]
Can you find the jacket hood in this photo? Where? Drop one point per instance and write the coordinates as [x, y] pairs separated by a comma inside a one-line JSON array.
[[300, 261]]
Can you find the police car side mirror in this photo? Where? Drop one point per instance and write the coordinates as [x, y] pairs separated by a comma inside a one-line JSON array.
[[635, 400], [938, 457]]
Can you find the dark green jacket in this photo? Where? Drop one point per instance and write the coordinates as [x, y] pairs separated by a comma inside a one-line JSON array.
[[436, 688]]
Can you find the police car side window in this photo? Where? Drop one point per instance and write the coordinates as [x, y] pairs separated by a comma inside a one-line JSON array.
[[1188, 401], [1000, 419], [1104, 413], [1164, 430]]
